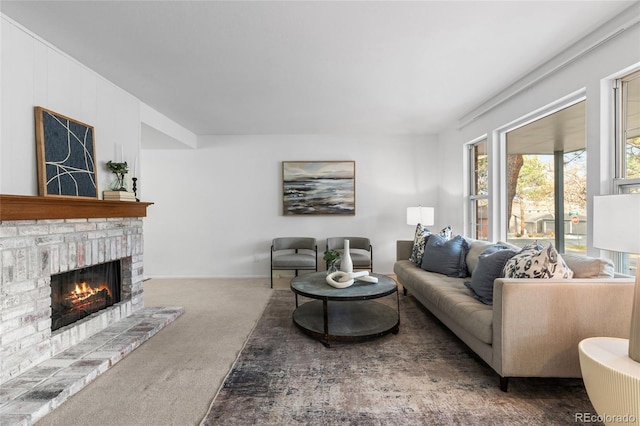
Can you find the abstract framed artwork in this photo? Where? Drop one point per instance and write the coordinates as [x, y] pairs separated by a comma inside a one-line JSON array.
[[319, 188], [65, 153]]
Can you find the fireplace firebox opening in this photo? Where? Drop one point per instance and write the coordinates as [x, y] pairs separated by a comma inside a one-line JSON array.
[[79, 293]]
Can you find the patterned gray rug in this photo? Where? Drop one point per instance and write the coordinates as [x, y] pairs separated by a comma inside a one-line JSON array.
[[423, 375]]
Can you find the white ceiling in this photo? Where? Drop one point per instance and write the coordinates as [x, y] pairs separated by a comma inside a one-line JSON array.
[[303, 67]]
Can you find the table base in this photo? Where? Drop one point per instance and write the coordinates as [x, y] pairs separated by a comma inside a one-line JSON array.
[[346, 321]]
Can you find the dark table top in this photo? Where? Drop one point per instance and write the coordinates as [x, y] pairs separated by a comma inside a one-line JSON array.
[[315, 286]]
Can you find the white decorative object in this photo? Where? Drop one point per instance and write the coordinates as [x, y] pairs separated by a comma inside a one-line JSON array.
[[363, 276], [346, 264], [344, 279], [340, 279], [612, 379], [368, 279]]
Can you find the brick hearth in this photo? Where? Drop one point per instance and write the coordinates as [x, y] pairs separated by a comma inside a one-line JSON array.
[[35, 393]]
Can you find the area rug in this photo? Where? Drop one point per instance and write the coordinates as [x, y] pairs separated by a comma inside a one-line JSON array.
[[424, 375]]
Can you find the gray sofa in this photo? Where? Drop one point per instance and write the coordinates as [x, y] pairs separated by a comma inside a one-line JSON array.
[[534, 325]]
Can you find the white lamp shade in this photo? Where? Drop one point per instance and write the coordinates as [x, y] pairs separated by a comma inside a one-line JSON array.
[[422, 215], [616, 222]]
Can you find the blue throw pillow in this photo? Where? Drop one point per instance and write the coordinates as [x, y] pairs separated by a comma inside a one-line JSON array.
[[420, 241], [490, 265], [446, 257]]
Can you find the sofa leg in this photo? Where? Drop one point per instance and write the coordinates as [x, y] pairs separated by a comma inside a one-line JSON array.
[[504, 384]]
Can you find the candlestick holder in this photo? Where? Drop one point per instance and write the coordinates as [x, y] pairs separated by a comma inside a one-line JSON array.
[[135, 188]]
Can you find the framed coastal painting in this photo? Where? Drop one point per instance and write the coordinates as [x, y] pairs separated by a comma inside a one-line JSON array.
[[65, 155], [319, 187]]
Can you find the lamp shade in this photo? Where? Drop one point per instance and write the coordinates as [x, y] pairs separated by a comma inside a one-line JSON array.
[[422, 215], [616, 226], [616, 222]]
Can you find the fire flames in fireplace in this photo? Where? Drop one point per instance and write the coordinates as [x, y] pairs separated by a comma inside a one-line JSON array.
[[77, 294], [83, 296]]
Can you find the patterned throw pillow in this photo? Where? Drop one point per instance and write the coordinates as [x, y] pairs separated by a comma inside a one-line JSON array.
[[419, 242], [446, 233], [534, 262], [520, 258], [529, 250]]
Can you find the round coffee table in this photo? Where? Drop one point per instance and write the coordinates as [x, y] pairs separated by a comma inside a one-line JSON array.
[[352, 314]]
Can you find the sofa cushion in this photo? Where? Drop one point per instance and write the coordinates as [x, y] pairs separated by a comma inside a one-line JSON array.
[[451, 297], [534, 263], [490, 265], [448, 296], [446, 257], [476, 248], [589, 267], [479, 246]]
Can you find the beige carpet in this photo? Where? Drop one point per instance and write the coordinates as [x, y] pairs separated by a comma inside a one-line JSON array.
[[172, 378]]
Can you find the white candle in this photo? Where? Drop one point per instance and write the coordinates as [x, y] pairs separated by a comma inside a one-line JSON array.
[[135, 166]]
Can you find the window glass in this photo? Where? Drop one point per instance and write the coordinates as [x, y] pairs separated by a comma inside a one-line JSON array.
[[546, 181], [627, 117], [631, 124], [480, 169], [531, 188], [481, 207], [575, 201], [479, 190]]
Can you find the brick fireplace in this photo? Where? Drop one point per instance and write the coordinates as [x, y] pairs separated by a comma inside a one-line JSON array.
[[41, 237]]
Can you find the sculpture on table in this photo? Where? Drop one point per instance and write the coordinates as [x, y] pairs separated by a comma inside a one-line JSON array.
[[341, 279]]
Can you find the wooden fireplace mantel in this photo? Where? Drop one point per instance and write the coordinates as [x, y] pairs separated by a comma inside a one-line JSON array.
[[26, 207]]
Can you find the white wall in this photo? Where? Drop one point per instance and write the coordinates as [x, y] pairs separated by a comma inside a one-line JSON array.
[[37, 74], [590, 73], [218, 207]]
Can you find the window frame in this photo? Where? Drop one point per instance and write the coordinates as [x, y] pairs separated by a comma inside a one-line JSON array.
[[620, 125], [473, 197], [621, 184], [500, 222]]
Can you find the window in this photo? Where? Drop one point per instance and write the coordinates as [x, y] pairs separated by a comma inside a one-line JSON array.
[[627, 92], [479, 189], [546, 175], [627, 180]]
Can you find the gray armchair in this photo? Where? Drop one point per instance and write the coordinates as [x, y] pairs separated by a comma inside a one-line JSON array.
[[360, 250], [293, 253]]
